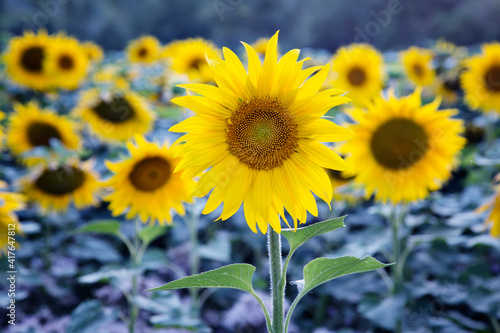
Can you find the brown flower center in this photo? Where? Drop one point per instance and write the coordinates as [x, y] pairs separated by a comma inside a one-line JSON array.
[[39, 134], [357, 76], [262, 134], [492, 79], [196, 63], [118, 110], [60, 181], [399, 143], [150, 174], [66, 62], [143, 52], [418, 70], [32, 59]]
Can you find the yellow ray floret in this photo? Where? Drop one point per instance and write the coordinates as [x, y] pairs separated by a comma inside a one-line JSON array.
[[145, 185], [260, 132], [481, 80], [9, 203], [403, 149], [358, 69]]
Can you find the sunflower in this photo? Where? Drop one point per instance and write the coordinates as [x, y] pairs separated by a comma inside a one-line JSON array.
[[145, 184], [260, 133], [260, 46], [117, 115], [418, 65], [494, 216], [9, 203], [66, 62], [401, 150], [358, 69], [30, 127], [94, 52], [24, 59], [448, 88], [146, 49], [55, 187], [481, 80], [189, 57]]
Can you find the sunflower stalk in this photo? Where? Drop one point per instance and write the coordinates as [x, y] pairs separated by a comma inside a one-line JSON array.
[[277, 283], [136, 258], [396, 219]]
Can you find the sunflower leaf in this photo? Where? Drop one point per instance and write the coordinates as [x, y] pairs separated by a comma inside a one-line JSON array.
[[235, 276], [322, 270], [150, 233], [302, 235], [106, 227]]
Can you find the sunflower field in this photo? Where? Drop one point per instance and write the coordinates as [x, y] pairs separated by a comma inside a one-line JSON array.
[[189, 183]]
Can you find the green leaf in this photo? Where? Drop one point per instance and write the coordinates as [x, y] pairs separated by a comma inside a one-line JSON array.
[[150, 233], [106, 227], [236, 276], [322, 270], [302, 235]]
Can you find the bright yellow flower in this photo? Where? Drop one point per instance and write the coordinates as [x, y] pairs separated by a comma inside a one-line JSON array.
[[402, 150], [145, 184], [358, 69], [481, 80], [54, 188], [30, 127], [494, 216], [189, 57], [66, 62], [93, 51], [418, 65], [260, 134], [448, 89], [24, 59], [115, 116], [9, 203], [146, 49]]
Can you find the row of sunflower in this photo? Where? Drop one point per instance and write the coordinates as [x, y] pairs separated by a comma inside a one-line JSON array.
[[258, 131]]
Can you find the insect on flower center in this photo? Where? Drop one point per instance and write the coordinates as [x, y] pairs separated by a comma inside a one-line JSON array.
[[32, 59], [118, 110], [492, 79], [150, 174], [356, 76], [66, 62], [60, 181], [262, 134], [39, 134], [399, 143]]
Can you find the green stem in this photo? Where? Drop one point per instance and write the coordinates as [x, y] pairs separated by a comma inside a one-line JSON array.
[[136, 257], [495, 324], [276, 277], [266, 313], [396, 219], [195, 257], [290, 312]]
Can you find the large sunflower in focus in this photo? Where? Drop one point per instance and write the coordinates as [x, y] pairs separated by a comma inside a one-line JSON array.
[[481, 80], [402, 150], [24, 59], [189, 57], [66, 62], [358, 69], [54, 188], [30, 127], [418, 65], [145, 184], [115, 116], [259, 133], [9, 203], [146, 49]]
